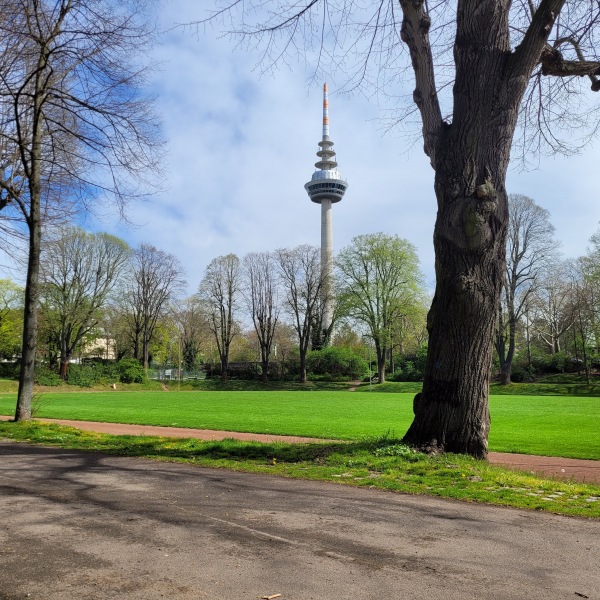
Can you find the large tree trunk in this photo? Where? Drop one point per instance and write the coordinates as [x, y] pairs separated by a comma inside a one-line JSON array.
[[501, 351], [264, 364], [303, 373], [506, 355], [224, 369], [451, 413], [64, 368], [65, 356], [505, 373]]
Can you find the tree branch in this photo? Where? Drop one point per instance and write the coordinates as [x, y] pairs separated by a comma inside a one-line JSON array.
[[528, 53], [415, 34], [554, 64]]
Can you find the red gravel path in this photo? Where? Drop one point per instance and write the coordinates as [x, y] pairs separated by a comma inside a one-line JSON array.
[[570, 469]]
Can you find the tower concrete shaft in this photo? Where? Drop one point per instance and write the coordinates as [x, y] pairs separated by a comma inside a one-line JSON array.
[[326, 187], [327, 264]]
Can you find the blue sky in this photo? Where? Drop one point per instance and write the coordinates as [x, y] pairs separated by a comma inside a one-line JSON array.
[[241, 146]]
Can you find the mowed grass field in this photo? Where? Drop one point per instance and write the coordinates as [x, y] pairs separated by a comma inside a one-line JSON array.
[[547, 425]]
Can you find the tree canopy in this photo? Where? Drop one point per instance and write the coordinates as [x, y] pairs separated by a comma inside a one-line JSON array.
[[380, 282]]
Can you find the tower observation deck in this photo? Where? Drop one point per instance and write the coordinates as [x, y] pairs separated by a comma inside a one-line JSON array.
[[326, 183], [326, 187]]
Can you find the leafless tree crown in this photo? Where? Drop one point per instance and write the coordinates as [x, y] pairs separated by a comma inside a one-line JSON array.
[[72, 106]]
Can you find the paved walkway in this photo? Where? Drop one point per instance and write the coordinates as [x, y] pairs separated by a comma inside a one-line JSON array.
[[569, 469], [86, 526]]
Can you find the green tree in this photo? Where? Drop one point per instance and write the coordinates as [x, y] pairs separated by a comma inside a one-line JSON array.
[[345, 336], [11, 319], [379, 283]]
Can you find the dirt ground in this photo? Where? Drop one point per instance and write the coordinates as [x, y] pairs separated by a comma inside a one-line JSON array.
[[568, 469]]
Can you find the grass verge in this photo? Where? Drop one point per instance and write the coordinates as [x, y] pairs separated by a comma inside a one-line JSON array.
[[382, 463]]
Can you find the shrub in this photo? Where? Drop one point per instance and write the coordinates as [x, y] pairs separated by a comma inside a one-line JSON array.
[[335, 363], [91, 372], [131, 371], [82, 375], [45, 376], [410, 368], [520, 374]]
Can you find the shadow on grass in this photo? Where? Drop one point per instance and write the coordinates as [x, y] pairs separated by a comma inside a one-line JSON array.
[[190, 448]]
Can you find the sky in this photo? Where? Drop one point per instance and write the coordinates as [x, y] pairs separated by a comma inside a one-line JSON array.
[[241, 144]]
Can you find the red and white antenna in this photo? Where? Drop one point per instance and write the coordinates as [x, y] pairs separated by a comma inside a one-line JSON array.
[[325, 113]]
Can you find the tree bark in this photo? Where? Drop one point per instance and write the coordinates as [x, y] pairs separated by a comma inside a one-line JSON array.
[[30, 324], [64, 368], [303, 373], [451, 413], [264, 377], [500, 344], [506, 355]]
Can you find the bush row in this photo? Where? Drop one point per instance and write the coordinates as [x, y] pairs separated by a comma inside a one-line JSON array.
[[88, 374]]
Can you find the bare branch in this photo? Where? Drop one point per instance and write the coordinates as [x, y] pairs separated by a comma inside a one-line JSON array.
[[553, 63], [415, 34]]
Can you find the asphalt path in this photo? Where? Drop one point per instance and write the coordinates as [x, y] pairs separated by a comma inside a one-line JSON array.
[[85, 526]]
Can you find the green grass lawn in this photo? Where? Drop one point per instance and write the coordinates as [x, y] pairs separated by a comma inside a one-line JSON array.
[[552, 425]]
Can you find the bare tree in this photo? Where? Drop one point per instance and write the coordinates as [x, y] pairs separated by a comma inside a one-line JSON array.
[[261, 294], [589, 266], [78, 272], [74, 124], [302, 281], [481, 68], [155, 280], [530, 247], [553, 307], [380, 281], [583, 290], [219, 293], [193, 328]]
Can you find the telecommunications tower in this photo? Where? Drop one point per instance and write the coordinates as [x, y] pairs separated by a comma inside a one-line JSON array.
[[325, 188]]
